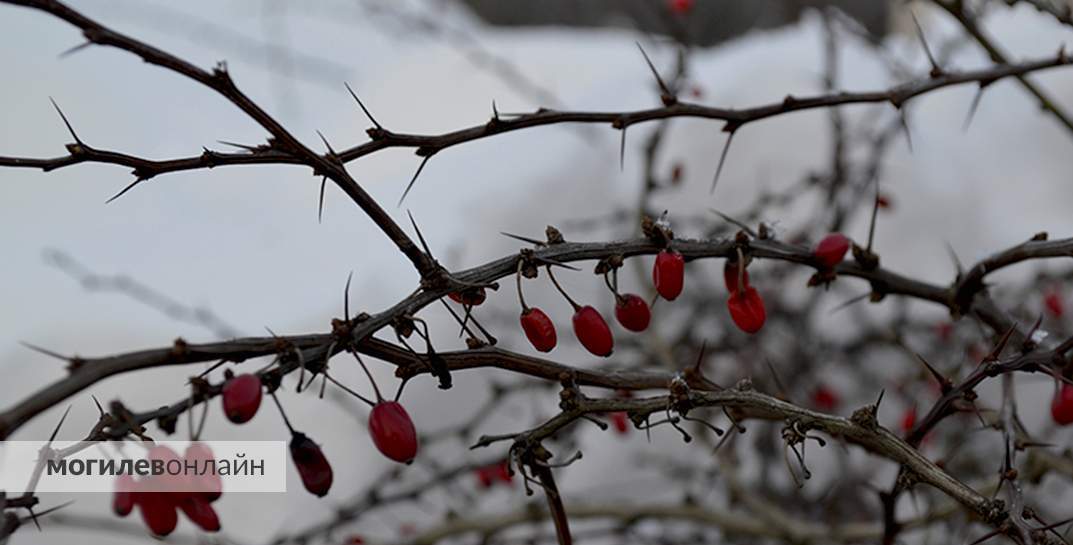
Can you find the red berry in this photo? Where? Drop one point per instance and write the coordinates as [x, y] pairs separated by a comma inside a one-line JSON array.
[[681, 7], [944, 330], [747, 309], [830, 251], [393, 431], [490, 474], [472, 297], [669, 274], [198, 510], [158, 511], [312, 466], [632, 312], [909, 419], [538, 329], [209, 485], [884, 201], [242, 397], [1062, 405], [591, 329], [621, 421], [730, 275], [1053, 302], [676, 173], [825, 398], [355, 540], [123, 497]]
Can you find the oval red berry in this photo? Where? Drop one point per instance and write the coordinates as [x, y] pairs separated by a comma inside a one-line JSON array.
[[158, 512], [747, 310], [539, 329], [668, 274], [393, 431], [831, 250], [592, 331], [312, 466], [1062, 405], [198, 510], [632, 312], [242, 397]]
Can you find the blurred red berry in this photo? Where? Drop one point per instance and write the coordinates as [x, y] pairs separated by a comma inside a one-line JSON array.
[[681, 7], [909, 419], [241, 397], [1053, 302], [632, 312], [884, 202], [831, 249], [747, 309], [1062, 405], [591, 329], [158, 511], [312, 466], [621, 422], [668, 274], [539, 329], [198, 510], [825, 399], [393, 431]]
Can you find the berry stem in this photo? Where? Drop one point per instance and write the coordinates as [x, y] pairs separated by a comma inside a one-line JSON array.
[[282, 413], [561, 290], [379, 398], [328, 377], [518, 278]]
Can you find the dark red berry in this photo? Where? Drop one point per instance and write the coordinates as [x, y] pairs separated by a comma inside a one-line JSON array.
[[158, 511], [312, 466], [1062, 405], [123, 497], [825, 399], [668, 274], [209, 485], [730, 275], [591, 329], [393, 431], [747, 309], [632, 312], [676, 173], [471, 297], [198, 510], [538, 329], [830, 251], [884, 202], [1053, 302], [621, 422], [242, 397]]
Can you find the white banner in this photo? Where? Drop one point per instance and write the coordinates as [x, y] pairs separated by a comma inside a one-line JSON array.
[[164, 466]]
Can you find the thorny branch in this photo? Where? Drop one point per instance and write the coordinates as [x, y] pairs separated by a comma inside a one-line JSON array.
[[967, 294]]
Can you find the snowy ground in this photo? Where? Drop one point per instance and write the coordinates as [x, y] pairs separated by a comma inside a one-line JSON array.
[[245, 241]]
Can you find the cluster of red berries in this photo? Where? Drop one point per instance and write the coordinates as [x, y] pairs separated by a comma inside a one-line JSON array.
[[159, 508], [745, 304]]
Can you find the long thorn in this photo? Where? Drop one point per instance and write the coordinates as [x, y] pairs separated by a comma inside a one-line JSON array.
[[414, 179], [125, 189], [65, 122], [363, 108], [722, 160], [659, 80]]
